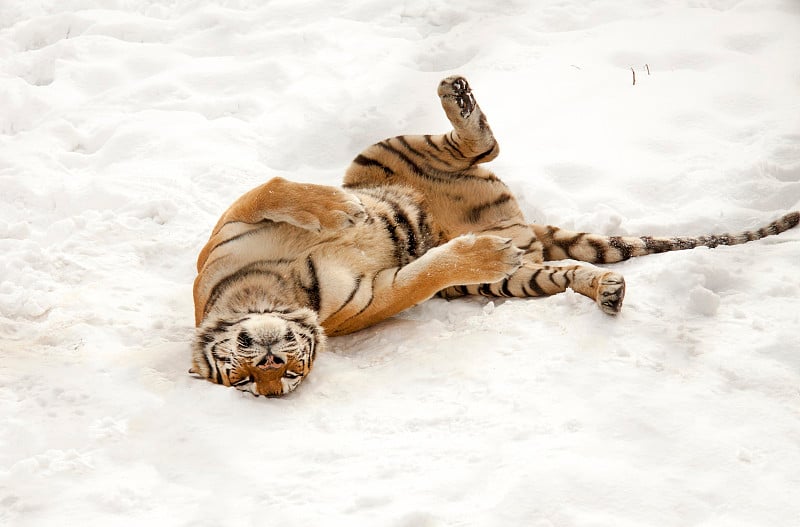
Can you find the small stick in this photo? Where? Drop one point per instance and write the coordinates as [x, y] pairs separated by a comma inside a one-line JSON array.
[[648, 69], [634, 76]]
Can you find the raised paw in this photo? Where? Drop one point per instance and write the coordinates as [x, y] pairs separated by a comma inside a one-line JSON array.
[[610, 293], [456, 90]]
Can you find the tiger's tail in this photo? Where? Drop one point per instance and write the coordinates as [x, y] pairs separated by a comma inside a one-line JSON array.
[[561, 244]]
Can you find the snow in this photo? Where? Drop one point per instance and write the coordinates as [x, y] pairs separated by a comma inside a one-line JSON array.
[[126, 128]]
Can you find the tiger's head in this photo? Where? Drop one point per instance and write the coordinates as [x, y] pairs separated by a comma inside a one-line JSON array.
[[262, 353]]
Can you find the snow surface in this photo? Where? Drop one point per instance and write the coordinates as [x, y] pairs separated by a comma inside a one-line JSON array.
[[126, 128]]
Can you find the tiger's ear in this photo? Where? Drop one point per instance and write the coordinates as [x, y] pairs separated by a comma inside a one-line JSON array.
[[192, 371]]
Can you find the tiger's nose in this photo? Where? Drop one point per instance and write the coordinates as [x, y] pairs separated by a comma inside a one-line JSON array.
[[269, 361]]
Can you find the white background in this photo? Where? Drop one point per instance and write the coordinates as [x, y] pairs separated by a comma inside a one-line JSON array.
[[127, 127]]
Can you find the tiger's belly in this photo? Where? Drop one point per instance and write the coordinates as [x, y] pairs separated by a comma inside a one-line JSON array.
[[346, 269]]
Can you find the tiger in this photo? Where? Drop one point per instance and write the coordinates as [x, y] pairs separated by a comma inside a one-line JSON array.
[[290, 264]]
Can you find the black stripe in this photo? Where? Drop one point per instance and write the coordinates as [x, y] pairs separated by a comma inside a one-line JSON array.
[[453, 146], [424, 230], [431, 143], [213, 367], [790, 220], [207, 337], [625, 249], [653, 245], [485, 290], [352, 294], [369, 302], [312, 351], [506, 290], [534, 285], [312, 290], [429, 173], [527, 246], [565, 244], [548, 241], [774, 227], [679, 244], [267, 225], [309, 327], [306, 341], [477, 159], [400, 217], [567, 279], [525, 291], [427, 156], [410, 148], [368, 162], [414, 167], [467, 174], [599, 250], [475, 213], [392, 230], [213, 349], [411, 238], [243, 381], [506, 227]]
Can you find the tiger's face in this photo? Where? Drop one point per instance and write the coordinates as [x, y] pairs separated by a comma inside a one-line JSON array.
[[261, 353]]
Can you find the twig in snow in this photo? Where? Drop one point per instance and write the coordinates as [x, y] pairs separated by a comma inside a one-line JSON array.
[[648, 68], [634, 76]]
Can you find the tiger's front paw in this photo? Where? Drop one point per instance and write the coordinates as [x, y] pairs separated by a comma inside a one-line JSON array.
[[327, 209], [344, 210], [457, 96], [484, 259]]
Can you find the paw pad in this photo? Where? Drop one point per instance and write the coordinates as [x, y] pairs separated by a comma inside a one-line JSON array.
[[611, 294], [461, 93]]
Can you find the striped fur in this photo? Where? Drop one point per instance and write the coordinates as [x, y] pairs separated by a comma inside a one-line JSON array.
[[289, 263], [559, 243]]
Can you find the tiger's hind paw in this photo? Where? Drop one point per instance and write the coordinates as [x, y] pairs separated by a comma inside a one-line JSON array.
[[610, 293], [455, 90]]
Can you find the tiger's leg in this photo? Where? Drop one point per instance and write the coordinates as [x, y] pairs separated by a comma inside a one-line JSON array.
[[606, 288], [433, 157], [471, 136], [465, 259], [310, 207]]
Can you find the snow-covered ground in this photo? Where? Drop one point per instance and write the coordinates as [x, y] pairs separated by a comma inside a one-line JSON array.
[[127, 126]]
